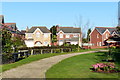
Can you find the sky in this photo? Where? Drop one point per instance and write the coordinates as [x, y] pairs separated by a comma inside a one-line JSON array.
[[84, 14]]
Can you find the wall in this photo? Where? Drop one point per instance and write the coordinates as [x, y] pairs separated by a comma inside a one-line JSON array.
[[29, 43], [93, 38]]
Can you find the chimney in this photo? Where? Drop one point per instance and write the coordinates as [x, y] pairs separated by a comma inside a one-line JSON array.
[[27, 29]]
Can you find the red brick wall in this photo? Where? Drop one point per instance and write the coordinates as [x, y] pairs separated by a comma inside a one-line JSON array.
[[93, 38], [95, 47]]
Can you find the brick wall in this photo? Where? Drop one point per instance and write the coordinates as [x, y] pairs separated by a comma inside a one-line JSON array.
[[95, 38]]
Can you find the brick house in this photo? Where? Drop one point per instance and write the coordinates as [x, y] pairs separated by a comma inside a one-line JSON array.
[[11, 27], [100, 34], [69, 35], [38, 36]]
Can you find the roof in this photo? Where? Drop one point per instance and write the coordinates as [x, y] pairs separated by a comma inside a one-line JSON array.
[[114, 38], [23, 31], [101, 30], [69, 29], [42, 28], [12, 25]]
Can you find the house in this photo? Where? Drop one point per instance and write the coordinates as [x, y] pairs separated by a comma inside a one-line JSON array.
[[11, 27], [70, 35], [38, 36], [100, 34], [113, 41]]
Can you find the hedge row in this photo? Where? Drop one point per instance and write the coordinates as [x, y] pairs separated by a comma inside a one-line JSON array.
[[44, 47]]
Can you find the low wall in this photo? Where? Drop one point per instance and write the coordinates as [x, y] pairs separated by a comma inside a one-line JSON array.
[[95, 47]]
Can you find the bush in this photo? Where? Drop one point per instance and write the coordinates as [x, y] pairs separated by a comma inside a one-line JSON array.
[[105, 67], [44, 47], [56, 51], [7, 58]]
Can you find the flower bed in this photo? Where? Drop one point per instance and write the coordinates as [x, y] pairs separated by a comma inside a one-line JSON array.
[[105, 68]]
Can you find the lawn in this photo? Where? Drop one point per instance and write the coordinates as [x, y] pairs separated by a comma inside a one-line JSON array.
[[34, 58], [79, 67]]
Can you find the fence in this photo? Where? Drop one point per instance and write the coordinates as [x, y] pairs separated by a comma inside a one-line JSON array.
[[26, 52]]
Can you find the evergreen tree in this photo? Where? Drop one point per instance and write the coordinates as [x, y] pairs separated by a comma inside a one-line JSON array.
[[88, 36], [6, 41], [54, 31]]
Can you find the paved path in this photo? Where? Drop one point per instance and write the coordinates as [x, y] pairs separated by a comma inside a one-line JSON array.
[[38, 68]]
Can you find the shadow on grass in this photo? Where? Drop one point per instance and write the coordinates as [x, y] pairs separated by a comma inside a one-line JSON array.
[[102, 56]]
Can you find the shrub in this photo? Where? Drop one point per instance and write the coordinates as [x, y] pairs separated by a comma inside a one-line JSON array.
[[104, 67], [6, 58]]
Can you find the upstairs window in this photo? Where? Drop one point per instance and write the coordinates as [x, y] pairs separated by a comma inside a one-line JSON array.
[[46, 35], [97, 35], [29, 35], [37, 34], [67, 36], [106, 35], [61, 35]]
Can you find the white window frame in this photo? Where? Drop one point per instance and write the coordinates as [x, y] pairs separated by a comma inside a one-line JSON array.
[[46, 43], [37, 34], [106, 36], [67, 36], [61, 35], [100, 43], [46, 35], [29, 35], [97, 35]]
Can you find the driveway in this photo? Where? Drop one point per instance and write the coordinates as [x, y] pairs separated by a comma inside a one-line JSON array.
[[38, 68]]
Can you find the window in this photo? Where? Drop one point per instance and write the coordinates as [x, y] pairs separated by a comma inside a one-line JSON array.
[[37, 34], [75, 35], [106, 35], [29, 35], [46, 35], [61, 35], [100, 44], [97, 43], [97, 35], [67, 35], [38, 43]]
